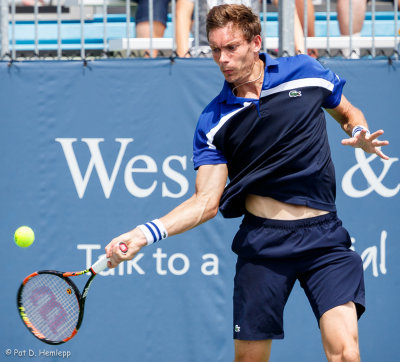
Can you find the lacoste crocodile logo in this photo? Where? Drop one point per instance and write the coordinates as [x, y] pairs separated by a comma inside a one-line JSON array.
[[294, 93]]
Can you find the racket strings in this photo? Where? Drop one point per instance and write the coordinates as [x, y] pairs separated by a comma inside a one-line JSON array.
[[51, 305]]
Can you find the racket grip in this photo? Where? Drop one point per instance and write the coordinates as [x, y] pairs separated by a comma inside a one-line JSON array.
[[100, 265]]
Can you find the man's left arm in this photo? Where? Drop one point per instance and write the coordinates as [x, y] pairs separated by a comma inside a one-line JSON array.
[[353, 122]]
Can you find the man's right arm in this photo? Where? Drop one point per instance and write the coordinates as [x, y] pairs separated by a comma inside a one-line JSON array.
[[204, 203], [200, 207]]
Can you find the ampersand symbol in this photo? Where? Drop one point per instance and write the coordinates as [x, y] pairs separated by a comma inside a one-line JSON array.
[[375, 183]]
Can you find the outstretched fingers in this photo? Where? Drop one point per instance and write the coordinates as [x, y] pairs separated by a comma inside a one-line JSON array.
[[381, 154], [368, 142]]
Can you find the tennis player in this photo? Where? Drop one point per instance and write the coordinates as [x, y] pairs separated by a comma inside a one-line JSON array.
[[266, 131]]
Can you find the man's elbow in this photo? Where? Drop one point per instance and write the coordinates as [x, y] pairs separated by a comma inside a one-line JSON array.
[[210, 212], [213, 212], [208, 206]]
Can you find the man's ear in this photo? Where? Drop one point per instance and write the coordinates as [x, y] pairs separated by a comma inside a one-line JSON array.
[[257, 43]]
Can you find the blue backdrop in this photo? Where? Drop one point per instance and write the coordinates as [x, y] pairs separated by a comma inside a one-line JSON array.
[[89, 152]]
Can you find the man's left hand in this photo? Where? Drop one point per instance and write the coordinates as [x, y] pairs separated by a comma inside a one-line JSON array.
[[367, 142]]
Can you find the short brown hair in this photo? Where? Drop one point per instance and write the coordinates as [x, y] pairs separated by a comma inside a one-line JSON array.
[[240, 16]]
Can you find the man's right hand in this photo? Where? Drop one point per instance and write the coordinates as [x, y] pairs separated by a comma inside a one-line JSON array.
[[134, 240]]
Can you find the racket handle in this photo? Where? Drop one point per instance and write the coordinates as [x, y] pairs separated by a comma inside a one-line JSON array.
[[101, 264]]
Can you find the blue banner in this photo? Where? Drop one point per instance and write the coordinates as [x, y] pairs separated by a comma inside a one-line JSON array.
[[89, 152]]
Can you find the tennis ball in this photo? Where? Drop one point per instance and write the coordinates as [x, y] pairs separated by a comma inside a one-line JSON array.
[[24, 236]]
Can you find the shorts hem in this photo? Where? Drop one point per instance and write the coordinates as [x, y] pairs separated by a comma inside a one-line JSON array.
[[359, 303], [260, 337]]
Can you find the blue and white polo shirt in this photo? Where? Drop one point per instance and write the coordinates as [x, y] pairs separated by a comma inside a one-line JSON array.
[[277, 145]]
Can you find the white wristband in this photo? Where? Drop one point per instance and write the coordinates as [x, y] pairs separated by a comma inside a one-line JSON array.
[[358, 129], [153, 231]]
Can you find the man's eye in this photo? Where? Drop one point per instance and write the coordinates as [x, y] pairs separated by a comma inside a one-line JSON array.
[[232, 47]]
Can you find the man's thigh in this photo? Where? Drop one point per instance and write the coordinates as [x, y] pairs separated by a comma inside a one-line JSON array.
[[252, 351], [333, 278], [339, 332]]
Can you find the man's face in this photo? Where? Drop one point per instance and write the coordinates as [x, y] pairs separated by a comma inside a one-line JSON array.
[[233, 54]]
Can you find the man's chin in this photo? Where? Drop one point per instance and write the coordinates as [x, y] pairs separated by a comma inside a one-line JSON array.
[[230, 78]]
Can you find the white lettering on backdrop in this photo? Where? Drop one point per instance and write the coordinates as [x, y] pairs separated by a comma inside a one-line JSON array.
[[374, 255], [148, 165], [375, 183], [164, 264]]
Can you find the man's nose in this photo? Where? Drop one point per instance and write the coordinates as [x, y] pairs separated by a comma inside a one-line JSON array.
[[223, 57]]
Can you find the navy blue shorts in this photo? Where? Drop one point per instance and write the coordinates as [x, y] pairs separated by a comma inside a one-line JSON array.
[[330, 273], [160, 11]]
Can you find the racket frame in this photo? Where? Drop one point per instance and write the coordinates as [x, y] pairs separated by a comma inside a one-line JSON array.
[[96, 268], [81, 298]]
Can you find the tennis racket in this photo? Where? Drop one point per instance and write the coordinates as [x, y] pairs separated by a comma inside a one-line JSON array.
[[50, 304]]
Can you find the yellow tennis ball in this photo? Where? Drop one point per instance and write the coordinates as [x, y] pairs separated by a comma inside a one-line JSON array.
[[24, 236]]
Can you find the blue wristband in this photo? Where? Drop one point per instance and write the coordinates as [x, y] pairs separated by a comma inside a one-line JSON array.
[[358, 129], [153, 231]]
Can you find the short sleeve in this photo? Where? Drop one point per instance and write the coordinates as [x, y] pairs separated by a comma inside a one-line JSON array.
[[334, 98], [204, 151]]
